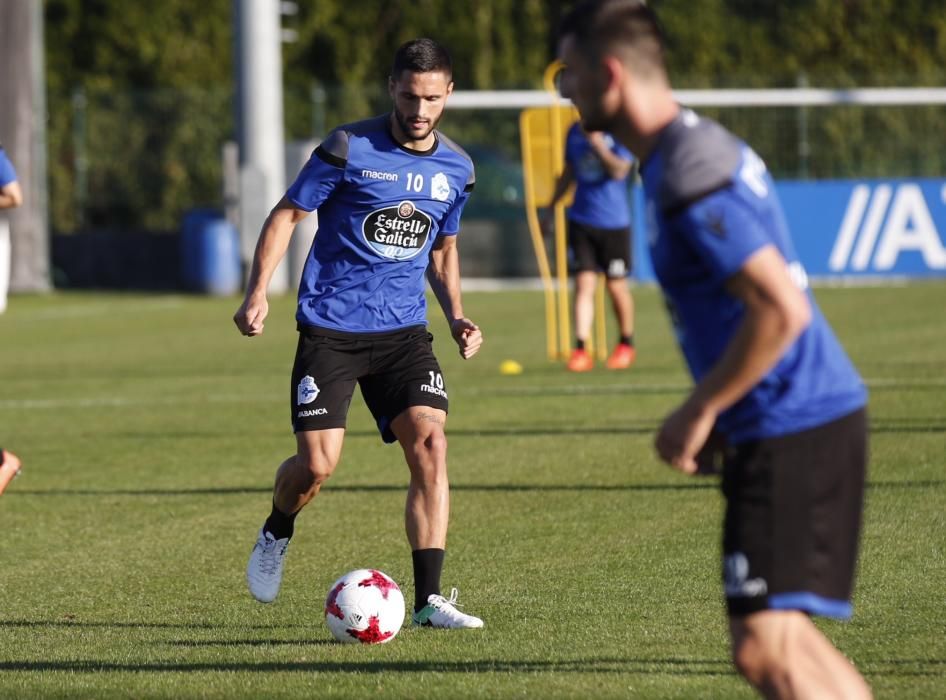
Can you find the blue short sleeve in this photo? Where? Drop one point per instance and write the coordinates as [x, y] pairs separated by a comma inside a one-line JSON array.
[[316, 181], [450, 225], [725, 230], [7, 171]]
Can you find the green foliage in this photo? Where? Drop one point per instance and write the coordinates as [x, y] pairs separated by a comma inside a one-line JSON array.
[[595, 568], [140, 94]]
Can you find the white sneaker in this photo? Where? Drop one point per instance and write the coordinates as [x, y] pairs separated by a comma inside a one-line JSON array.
[[442, 612], [264, 570]]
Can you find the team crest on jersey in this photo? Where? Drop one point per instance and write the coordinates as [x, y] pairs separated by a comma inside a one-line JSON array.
[[398, 232], [440, 187], [307, 391]]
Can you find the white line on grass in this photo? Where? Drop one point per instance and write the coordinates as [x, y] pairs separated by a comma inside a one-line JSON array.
[[569, 389], [67, 311]]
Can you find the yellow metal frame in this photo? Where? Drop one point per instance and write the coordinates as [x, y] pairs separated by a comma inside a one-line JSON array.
[[542, 134]]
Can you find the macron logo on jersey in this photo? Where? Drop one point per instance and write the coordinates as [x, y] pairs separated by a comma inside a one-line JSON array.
[[379, 175]]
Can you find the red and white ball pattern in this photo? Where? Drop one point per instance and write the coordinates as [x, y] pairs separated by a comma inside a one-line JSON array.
[[364, 606]]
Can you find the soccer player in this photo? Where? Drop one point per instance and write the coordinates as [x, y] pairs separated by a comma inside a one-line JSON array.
[[390, 192], [599, 235], [11, 195], [769, 373]]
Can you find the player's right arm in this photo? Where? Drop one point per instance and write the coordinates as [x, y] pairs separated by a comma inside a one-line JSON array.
[[270, 249], [318, 179]]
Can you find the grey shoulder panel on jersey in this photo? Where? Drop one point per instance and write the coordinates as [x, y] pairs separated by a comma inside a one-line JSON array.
[[700, 157], [455, 147], [334, 149]]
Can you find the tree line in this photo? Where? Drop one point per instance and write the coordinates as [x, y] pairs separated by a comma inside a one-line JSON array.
[[140, 95]]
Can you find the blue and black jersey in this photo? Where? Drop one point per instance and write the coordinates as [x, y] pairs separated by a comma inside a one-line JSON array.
[[711, 204], [381, 206]]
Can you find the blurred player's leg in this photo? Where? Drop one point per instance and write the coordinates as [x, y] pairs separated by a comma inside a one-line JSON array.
[[623, 355], [9, 468], [581, 360], [784, 655]]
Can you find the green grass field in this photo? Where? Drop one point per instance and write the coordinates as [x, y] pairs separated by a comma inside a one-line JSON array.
[[150, 431]]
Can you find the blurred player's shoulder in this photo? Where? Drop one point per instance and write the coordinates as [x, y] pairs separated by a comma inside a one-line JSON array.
[[697, 157]]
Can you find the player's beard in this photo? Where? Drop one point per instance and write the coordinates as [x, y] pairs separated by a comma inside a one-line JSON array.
[[407, 129], [597, 122], [596, 119]]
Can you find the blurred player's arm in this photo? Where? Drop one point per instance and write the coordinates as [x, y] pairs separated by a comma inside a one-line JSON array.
[[443, 273], [11, 195], [270, 249], [617, 167], [776, 313]]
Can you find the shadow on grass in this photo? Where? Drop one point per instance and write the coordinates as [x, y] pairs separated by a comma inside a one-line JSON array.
[[701, 667], [697, 484], [665, 666], [79, 624], [882, 426], [204, 643], [370, 488]]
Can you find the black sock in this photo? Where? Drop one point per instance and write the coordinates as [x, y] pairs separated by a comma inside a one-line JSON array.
[[428, 563], [280, 525], [626, 340], [579, 344]]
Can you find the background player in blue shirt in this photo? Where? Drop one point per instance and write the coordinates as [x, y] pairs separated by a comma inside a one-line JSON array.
[[770, 375], [599, 236], [11, 195], [390, 192]]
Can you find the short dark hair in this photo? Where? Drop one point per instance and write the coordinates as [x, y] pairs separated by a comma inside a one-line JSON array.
[[421, 56], [628, 27]]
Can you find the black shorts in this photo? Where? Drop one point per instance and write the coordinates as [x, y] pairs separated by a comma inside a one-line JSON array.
[[395, 370], [793, 517], [605, 250]]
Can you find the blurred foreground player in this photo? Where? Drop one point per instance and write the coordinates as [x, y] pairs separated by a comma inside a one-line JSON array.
[[390, 192], [770, 374]]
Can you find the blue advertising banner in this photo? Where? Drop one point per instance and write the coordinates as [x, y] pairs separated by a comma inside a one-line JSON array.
[[852, 228]]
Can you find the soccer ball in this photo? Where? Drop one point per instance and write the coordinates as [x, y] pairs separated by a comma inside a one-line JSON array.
[[364, 606]]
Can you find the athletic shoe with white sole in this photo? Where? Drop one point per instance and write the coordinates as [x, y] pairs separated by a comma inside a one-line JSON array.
[[264, 570], [442, 613]]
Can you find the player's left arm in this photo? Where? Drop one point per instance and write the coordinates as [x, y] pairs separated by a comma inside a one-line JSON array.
[[776, 313], [443, 273]]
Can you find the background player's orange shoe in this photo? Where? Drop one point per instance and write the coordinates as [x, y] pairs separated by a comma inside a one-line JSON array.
[[622, 357], [9, 468], [580, 361]]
